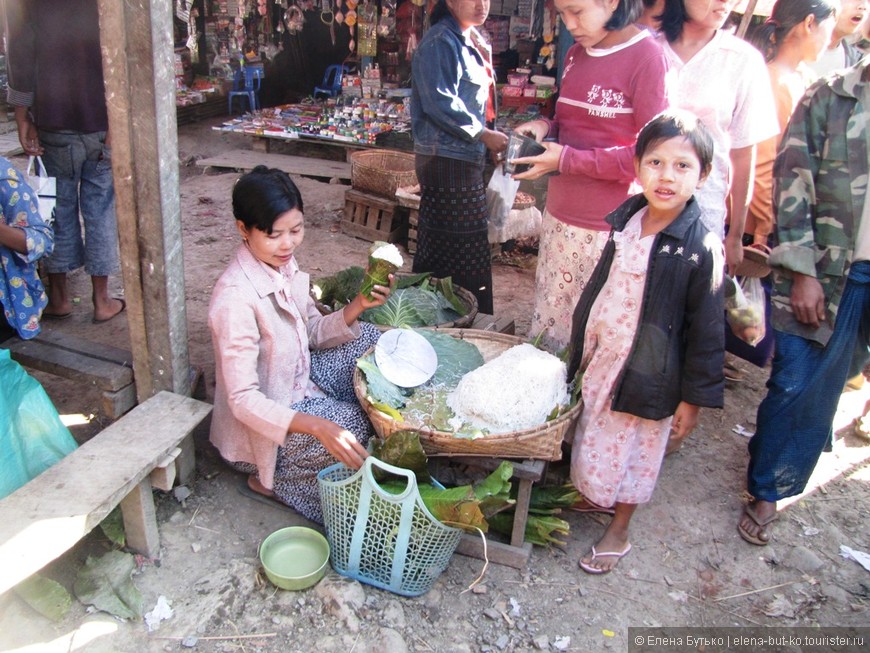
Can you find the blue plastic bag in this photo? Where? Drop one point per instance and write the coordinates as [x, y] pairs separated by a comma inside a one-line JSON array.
[[32, 437]]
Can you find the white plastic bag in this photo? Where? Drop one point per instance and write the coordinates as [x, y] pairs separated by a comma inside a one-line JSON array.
[[44, 186], [744, 306], [500, 195]]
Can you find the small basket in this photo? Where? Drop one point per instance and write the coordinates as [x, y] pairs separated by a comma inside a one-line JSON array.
[[381, 172], [390, 541], [542, 442]]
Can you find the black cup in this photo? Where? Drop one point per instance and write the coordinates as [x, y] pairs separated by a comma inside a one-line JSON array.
[[518, 146]]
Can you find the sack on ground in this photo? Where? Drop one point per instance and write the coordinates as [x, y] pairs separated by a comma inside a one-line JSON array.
[[44, 186], [744, 306], [32, 437]]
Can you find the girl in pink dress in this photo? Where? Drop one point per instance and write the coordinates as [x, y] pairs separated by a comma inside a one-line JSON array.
[[647, 332]]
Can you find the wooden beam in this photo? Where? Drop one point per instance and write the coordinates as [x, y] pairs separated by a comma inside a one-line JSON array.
[[747, 17], [138, 66]]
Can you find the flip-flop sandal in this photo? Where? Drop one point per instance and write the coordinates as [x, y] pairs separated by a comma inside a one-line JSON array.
[[112, 317], [56, 316], [595, 571], [245, 489], [749, 511], [756, 261], [591, 507], [732, 373]]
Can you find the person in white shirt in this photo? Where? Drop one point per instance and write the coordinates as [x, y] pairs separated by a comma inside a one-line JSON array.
[[723, 80], [841, 52]]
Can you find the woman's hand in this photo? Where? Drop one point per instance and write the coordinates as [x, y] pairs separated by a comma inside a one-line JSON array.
[[733, 252], [542, 164], [380, 295], [337, 440]]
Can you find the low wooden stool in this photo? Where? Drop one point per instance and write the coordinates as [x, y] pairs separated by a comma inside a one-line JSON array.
[[372, 218]]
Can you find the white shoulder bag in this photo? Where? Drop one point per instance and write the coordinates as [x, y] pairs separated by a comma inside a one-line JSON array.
[[44, 186]]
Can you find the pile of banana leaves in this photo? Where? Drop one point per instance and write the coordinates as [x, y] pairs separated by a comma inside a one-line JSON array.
[[487, 505], [418, 300]]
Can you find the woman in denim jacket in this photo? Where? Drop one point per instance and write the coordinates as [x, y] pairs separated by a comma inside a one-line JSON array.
[[452, 110]]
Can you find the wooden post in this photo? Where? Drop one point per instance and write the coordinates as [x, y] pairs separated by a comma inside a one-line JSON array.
[[747, 17], [139, 71]]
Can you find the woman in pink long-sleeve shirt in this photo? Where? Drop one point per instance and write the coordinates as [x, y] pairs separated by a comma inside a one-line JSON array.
[[284, 405]]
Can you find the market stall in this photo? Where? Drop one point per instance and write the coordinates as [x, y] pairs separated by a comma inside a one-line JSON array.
[[295, 42], [344, 121]]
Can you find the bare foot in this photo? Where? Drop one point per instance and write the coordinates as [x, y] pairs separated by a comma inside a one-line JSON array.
[[606, 553], [259, 488], [756, 517]]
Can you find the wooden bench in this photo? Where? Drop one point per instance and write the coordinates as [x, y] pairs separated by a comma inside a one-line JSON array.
[[109, 368], [48, 515]]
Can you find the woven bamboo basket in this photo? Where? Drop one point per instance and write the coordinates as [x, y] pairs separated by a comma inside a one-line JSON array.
[[382, 171], [542, 442]]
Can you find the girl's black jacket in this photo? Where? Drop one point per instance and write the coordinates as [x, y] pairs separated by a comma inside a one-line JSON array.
[[679, 347]]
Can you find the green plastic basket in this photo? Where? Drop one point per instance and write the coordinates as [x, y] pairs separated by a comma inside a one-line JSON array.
[[390, 541]]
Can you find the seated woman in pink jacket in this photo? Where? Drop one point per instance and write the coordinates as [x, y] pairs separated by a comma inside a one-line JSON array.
[[284, 406]]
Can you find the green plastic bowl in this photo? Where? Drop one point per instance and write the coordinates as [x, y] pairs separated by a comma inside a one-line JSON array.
[[295, 557]]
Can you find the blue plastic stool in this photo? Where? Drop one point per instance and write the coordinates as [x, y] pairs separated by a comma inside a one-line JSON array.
[[331, 84], [246, 86]]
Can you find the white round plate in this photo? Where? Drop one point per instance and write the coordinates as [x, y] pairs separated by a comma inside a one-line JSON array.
[[405, 358]]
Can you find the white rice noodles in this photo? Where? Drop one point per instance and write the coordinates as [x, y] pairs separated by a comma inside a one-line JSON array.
[[514, 391]]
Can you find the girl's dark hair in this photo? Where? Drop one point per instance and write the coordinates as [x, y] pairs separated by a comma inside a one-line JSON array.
[[263, 194], [673, 18], [674, 123], [769, 35], [439, 11], [627, 12]]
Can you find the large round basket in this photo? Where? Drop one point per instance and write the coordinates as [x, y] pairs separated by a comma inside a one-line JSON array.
[[470, 302], [466, 297], [381, 172], [542, 442]]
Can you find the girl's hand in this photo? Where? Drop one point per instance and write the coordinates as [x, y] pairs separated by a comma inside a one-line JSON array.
[[542, 164], [684, 422], [537, 129], [338, 441]]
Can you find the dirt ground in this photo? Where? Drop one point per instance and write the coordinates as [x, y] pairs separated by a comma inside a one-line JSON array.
[[688, 566]]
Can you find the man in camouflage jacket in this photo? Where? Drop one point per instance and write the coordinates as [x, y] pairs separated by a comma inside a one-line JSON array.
[[821, 297]]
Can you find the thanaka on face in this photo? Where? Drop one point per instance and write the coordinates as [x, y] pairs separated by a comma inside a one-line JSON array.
[[669, 172], [277, 248]]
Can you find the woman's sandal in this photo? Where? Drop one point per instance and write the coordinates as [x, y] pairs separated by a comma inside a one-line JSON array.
[[584, 505], [757, 540], [756, 261], [595, 571]]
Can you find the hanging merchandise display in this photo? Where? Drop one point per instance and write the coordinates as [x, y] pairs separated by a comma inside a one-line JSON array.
[[327, 17], [367, 26], [547, 53], [387, 20], [294, 19], [192, 42]]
